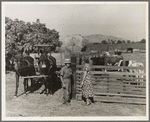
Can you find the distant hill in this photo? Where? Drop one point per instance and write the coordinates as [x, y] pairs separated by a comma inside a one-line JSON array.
[[98, 38], [94, 42]]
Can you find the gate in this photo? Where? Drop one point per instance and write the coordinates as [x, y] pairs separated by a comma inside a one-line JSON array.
[[114, 86]]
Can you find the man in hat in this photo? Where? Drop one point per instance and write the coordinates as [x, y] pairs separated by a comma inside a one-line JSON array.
[[65, 77]]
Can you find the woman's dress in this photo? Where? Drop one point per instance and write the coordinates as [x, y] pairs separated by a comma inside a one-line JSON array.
[[87, 89]]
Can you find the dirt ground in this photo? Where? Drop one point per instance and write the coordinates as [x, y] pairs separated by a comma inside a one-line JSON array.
[[39, 105]]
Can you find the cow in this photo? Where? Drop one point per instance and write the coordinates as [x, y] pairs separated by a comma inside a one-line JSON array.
[[112, 59], [130, 49], [98, 61], [106, 59], [47, 66], [122, 63], [23, 66], [132, 63], [118, 52]]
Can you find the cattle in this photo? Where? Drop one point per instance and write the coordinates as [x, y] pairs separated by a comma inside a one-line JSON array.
[[47, 66], [106, 59], [23, 66], [130, 49], [118, 52], [123, 63], [132, 63], [112, 59], [98, 61]]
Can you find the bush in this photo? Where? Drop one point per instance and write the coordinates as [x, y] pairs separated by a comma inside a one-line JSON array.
[[119, 42], [104, 42], [143, 41]]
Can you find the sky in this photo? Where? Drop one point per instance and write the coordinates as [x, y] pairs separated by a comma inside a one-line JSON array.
[[127, 20]]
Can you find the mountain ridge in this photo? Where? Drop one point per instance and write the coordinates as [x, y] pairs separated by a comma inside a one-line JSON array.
[[98, 38]]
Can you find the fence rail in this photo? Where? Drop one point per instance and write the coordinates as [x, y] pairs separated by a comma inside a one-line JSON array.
[[116, 86]]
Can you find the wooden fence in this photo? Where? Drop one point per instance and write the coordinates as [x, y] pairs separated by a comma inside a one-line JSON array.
[[114, 86]]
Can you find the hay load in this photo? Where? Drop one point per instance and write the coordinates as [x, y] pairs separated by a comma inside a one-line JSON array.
[[74, 42]]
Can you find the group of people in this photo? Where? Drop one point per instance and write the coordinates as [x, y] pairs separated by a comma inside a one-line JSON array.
[[86, 85]]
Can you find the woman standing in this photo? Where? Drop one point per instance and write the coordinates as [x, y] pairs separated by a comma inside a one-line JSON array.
[[86, 83]]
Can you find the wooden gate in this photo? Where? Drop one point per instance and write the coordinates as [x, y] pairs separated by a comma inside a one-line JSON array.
[[114, 86]]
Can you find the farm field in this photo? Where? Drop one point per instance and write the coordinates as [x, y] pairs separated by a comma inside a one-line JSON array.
[[39, 105]]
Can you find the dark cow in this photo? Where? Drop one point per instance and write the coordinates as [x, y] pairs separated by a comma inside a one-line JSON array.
[[112, 59], [98, 61], [24, 66], [106, 60], [123, 63], [118, 52], [130, 49], [47, 66]]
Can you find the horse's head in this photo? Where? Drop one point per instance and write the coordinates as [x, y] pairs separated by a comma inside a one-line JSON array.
[[46, 64]]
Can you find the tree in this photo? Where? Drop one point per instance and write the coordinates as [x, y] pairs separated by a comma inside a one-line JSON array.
[[123, 42], [112, 41], [104, 42], [109, 41], [119, 42], [128, 41], [143, 41], [19, 34]]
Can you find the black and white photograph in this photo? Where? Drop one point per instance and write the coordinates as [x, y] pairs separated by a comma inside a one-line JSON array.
[[74, 60]]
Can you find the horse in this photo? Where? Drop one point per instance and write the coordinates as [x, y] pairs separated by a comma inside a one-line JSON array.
[[47, 66], [23, 66]]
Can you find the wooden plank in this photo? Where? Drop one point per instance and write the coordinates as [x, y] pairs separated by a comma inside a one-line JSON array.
[[78, 86], [123, 95], [101, 87], [115, 99], [114, 73], [121, 84], [120, 99], [35, 76], [112, 67], [115, 78], [135, 93], [109, 75], [101, 90], [117, 90], [112, 80]]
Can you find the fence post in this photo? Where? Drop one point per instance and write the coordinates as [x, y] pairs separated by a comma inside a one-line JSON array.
[[73, 84]]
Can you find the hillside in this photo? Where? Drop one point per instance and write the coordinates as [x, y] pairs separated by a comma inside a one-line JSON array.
[[75, 42], [98, 38]]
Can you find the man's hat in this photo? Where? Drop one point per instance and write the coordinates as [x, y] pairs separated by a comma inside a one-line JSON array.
[[67, 61]]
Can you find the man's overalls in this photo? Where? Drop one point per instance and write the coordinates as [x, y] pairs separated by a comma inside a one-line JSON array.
[[66, 75]]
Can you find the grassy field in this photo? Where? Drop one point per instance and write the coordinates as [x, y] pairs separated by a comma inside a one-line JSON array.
[[104, 47]]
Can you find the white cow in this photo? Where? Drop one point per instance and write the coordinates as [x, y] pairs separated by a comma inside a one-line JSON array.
[[133, 63]]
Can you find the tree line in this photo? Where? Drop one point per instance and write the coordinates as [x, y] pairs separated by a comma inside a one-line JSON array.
[[110, 41]]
